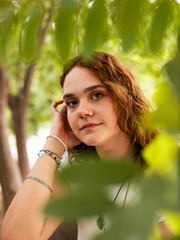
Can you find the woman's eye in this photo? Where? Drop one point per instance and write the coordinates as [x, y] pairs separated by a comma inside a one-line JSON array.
[[96, 96], [71, 103]]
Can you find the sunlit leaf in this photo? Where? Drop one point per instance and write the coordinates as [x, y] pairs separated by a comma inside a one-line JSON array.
[[30, 37], [83, 202], [94, 27], [64, 29], [99, 172], [161, 154], [158, 28], [167, 112]]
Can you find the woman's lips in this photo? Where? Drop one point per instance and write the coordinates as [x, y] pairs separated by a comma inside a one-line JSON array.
[[89, 126]]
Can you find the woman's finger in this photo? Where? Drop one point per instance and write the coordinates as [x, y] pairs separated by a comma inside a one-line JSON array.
[[54, 106]]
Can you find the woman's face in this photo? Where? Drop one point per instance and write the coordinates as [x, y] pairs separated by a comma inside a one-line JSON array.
[[90, 108]]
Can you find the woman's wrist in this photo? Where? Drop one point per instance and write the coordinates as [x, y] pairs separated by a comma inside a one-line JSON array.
[[59, 140], [64, 138], [54, 145]]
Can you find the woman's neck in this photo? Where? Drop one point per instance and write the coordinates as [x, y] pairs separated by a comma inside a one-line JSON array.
[[119, 148]]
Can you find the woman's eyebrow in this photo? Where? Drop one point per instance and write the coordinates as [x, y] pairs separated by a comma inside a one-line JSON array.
[[88, 89]]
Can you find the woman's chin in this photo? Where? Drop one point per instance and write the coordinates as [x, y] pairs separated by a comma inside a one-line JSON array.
[[89, 142], [92, 142]]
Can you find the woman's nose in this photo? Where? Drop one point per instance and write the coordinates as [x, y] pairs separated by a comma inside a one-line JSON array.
[[85, 110]]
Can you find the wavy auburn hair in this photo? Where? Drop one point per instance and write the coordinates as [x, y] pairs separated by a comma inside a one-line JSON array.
[[129, 101]]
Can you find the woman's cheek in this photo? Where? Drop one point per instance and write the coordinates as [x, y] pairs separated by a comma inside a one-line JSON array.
[[70, 121]]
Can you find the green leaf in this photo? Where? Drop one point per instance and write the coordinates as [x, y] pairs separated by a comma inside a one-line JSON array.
[[173, 71], [131, 223], [30, 36], [99, 172], [94, 27], [159, 26], [161, 154], [178, 41], [160, 192], [178, 170], [64, 30], [174, 238], [129, 14], [6, 26], [5, 3], [82, 202], [167, 112], [136, 221]]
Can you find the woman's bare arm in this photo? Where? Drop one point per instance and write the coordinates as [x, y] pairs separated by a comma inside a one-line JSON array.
[[24, 219]]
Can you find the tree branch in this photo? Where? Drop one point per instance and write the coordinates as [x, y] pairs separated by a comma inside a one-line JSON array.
[[4, 86], [47, 24], [28, 80], [30, 70]]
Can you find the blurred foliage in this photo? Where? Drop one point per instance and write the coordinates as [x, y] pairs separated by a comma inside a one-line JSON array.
[[6, 25], [64, 29], [128, 18], [103, 173], [145, 35], [45, 89], [162, 17], [91, 179], [30, 32], [167, 105], [162, 155], [96, 17]]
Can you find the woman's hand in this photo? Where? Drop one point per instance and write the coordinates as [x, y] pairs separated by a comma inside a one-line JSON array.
[[60, 126]]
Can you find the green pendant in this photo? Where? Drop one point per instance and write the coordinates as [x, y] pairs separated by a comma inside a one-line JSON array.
[[100, 222]]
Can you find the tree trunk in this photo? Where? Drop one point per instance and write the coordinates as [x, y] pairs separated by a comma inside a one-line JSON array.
[[9, 175], [18, 108], [18, 105]]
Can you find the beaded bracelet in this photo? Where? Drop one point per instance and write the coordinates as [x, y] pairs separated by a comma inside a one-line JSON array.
[[40, 181], [55, 156]]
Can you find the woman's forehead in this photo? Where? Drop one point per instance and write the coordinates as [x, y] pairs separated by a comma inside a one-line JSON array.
[[80, 77]]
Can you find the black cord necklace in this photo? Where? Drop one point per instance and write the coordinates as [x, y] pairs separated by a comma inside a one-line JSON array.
[[100, 221]]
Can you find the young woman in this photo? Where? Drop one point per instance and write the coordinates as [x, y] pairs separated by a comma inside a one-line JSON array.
[[102, 108]]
